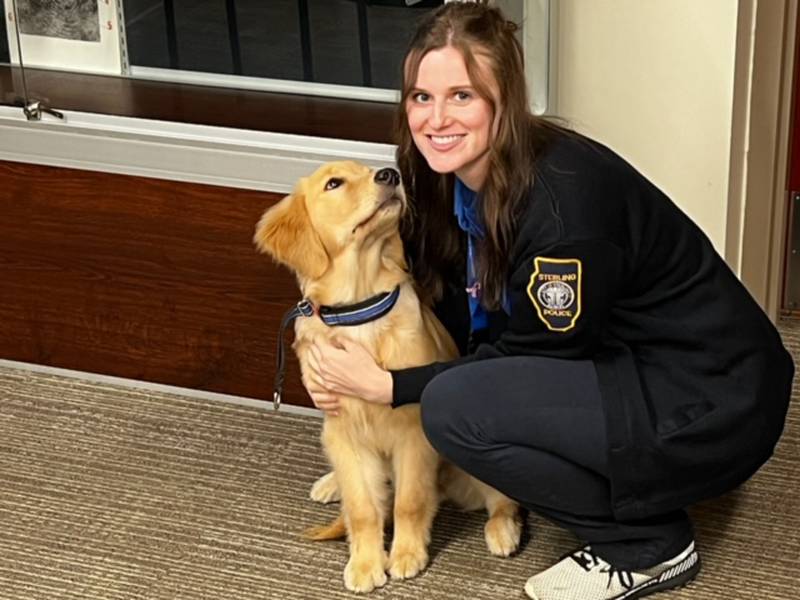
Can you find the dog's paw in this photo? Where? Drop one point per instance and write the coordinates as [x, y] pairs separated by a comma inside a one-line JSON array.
[[404, 564], [325, 489], [364, 575], [502, 534]]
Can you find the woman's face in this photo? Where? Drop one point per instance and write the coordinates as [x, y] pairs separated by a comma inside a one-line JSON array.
[[450, 123]]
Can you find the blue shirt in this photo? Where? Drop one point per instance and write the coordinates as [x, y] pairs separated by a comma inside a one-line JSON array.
[[466, 211]]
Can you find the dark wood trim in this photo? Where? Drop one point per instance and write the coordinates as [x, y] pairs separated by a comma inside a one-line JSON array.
[[225, 107]]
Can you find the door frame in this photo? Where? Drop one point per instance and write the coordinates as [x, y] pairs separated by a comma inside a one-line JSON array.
[[757, 219]]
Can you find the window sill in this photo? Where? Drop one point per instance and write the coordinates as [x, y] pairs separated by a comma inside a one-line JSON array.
[[203, 105]]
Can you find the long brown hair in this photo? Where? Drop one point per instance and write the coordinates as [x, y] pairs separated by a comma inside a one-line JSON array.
[[434, 243]]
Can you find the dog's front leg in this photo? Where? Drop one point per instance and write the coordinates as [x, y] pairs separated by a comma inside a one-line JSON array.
[[363, 489], [325, 489], [415, 466]]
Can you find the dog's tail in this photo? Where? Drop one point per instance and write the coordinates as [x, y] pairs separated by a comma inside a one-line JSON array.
[[334, 530]]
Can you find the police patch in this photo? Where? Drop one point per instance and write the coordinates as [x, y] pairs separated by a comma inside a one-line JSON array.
[[555, 290]]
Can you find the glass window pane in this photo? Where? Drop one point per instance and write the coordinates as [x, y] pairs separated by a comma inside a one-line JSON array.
[[334, 41], [145, 30], [269, 34], [270, 37], [202, 36]]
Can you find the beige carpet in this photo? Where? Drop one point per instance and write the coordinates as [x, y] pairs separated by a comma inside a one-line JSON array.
[[109, 492]]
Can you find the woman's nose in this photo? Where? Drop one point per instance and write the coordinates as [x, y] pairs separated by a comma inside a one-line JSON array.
[[439, 115]]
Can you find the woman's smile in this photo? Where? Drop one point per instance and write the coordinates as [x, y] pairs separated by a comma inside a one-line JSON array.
[[443, 143]]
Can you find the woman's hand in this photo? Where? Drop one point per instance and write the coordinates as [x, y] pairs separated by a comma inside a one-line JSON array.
[[345, 368]]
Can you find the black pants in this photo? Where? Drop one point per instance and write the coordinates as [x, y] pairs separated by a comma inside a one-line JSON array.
[[533, 428]]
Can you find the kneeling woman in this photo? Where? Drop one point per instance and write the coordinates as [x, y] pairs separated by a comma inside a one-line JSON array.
[[614, 369]]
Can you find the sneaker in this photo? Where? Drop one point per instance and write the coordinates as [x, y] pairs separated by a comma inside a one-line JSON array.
[[583, 575]]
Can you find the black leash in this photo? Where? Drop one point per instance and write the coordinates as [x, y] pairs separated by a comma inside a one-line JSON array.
[[301, 309]]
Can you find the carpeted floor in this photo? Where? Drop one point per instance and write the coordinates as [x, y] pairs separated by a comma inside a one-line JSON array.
[[116, 493]]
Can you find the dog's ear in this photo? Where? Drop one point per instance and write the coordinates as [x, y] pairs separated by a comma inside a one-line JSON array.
[[285, 232]]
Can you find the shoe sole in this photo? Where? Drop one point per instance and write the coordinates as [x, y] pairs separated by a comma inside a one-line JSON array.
[[679, 580]]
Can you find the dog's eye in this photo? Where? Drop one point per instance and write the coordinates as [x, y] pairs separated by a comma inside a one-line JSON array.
[[333, 183]]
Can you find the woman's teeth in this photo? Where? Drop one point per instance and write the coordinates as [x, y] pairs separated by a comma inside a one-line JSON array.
[[445, 139]]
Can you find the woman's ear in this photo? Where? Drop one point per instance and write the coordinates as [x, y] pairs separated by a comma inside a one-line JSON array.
[[285, 232]]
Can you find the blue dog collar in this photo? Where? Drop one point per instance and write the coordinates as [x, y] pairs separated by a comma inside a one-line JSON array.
[[349, 315], [362, 312]]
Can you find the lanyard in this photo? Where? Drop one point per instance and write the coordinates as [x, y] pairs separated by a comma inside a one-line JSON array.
[[478, 317]]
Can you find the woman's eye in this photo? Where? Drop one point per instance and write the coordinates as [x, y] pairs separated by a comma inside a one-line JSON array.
[[463, 96], [333, 183], [420, 97]]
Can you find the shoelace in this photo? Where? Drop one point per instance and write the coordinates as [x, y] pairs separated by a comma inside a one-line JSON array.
[[588, 560]]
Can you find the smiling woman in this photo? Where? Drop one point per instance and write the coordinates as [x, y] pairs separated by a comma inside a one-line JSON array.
[[579, 286], [458, 100]]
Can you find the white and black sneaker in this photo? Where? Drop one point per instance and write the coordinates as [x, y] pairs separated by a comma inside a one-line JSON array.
[[583, 575]]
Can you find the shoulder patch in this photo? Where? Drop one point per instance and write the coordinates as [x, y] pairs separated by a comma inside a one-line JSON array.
[[555, 290]]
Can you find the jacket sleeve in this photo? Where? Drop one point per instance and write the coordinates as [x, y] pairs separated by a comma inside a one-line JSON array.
[[561, 297]]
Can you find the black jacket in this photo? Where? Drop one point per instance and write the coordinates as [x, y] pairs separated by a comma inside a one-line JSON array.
[[694, 378]]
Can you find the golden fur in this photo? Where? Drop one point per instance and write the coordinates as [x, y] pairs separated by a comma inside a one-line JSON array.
[[343, 245]]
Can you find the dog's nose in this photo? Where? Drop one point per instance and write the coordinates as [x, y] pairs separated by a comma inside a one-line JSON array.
[[387, 177]]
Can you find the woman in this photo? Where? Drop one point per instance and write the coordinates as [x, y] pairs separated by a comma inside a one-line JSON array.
[[614, 369]]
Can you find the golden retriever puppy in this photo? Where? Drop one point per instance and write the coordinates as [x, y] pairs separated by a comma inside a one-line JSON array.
[[338, 232]]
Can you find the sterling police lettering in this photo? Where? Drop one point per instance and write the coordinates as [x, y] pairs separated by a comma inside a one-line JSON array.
[[555, 290]]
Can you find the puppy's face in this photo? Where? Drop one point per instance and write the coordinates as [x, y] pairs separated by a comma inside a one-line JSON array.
[[341, 205]]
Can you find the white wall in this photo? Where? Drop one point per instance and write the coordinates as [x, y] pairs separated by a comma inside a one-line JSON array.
[[653, 79]]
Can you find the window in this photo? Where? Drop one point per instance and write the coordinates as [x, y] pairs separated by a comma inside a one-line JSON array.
[[348, 49]]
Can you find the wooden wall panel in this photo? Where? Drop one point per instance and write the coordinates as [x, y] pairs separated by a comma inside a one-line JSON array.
[[140, 278]]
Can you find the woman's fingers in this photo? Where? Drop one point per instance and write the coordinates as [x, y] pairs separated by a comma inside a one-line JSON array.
[[314, 362], [328, 403], [324, 398], [316, 374], [315, 384], [329, 363], [315, 353], [318, 362], [344, 367]]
